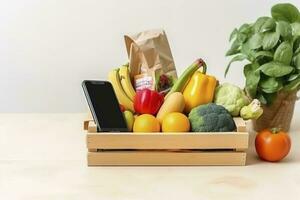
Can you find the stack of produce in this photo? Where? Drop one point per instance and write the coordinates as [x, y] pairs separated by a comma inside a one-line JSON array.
[[194, 103]]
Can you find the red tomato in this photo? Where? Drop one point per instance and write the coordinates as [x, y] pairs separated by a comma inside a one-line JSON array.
[[147, 101], [272, 145]]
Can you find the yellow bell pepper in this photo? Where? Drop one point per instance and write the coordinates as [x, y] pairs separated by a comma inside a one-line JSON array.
[[199, 90]]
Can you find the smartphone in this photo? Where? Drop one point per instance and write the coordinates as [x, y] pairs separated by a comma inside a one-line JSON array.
[[104, 106]]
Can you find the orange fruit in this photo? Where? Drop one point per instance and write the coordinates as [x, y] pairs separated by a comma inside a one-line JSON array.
[[175, 122], [146, 123]]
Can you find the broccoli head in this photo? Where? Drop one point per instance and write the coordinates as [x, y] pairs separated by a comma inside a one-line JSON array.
[[211, 118]]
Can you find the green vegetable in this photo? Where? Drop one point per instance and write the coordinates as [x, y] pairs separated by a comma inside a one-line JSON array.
[[275, 69], [284, 53], [252, 111], [285, 12], [211, 118], [231, 97], [284, 29], [271, 46], [270, 40]]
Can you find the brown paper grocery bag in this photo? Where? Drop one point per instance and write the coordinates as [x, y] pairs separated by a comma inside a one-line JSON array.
[[150, 60]]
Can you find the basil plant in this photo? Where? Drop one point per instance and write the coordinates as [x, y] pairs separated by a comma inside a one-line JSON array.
[[271, 45]]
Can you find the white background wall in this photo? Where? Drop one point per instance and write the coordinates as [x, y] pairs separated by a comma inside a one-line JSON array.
[[47, 47]]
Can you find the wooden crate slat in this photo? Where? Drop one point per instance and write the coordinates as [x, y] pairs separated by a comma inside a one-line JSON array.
[[240, 124], [229, 140], [92, 128], [156, 158]]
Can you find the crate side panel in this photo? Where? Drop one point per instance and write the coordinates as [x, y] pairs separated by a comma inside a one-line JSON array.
[[230, 140]]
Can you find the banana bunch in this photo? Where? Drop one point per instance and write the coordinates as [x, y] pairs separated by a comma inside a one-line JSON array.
[[120, 80]]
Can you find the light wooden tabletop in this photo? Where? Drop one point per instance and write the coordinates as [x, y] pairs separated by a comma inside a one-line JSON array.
[[43, 156]]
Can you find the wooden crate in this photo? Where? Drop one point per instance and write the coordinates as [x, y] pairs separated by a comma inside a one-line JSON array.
[[218, 148]]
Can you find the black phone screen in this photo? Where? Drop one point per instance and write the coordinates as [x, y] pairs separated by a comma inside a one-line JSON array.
[[104, 106]]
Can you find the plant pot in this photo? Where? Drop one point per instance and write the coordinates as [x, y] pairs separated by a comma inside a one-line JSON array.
[[279, 114]]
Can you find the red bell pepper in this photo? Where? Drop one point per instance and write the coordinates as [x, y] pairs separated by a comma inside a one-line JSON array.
[[147, 101]]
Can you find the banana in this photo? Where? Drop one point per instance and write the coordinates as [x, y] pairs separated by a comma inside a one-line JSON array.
[[123, 99], [126, 82]]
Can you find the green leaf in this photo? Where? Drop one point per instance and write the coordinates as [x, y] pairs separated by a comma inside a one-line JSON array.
[[270, 40], [296, 28], [285, 12], [234, 49], [252, 78], [248, 52], [245, 28], [276, 69], [293, 77], [284, 29], [234, 59], [296, 45], [259, 54], [259, 23], [241, 37], [296, 61], [261, 98], [255, 41], [297, 51], [233, 34], [284, 53], [293, 85], [270, 85], [268, 25]]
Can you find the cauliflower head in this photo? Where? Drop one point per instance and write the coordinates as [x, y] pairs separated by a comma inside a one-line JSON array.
[[231, 97]]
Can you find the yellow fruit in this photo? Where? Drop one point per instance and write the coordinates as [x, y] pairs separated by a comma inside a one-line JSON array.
[[175, 122], [146, 123], [174, 103], [123, 99], [126, 82]]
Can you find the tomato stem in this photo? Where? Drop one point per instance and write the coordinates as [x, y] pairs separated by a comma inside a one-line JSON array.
[[275, 130]]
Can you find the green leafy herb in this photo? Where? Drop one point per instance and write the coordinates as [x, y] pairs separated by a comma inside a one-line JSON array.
[[296, 61], [255, 41], [263, 54], [296, 28], [276, 69], [285, 12], [252, 78], [234, 48], [296, 46], [268, 25], [233, 34], [259, 23], [270, 85], [270, 40], [284, 53], [293, 77], [271, 45], [284, 29], [293, 85], [245, 28]]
